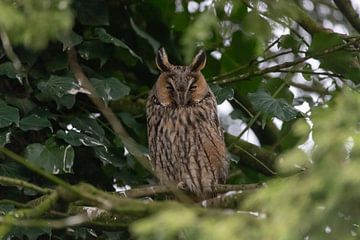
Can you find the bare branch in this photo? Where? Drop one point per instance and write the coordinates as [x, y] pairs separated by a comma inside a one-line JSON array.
[[113, 120], [351, 15]]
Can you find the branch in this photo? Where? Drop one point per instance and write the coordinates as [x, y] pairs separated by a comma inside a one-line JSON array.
[[154, 190], [7, 181], [292, 10], [113, 120], [251, 155], [9, 50], [11, 218], [351, 15], [281, 66]]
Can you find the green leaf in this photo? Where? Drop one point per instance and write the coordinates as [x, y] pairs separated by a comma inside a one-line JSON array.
[[54, 158], [289, 41], [89, 126], [58, 86], [322, 41], [34, 122], [155, 44], [238, 114], [8, 70], [107, 38], [92, 12], [77, 139], [130, 122], [4, 136], [108, 156], [8, 115], [254, 23], [70, 40], [110, 88], [95, 50], [279, 108], [222, 94]]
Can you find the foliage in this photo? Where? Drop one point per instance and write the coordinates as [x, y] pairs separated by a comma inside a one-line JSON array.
[[267, 59]]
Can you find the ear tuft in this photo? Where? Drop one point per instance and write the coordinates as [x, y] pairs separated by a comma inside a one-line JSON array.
[[162, 60], [199, 61]]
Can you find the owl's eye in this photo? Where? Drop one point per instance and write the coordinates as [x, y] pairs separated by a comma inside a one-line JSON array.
[[169, 87], [193, 87]]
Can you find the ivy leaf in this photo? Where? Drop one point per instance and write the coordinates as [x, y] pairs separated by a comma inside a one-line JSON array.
[[4, 136], [70, 40], [107, 38], [89, 126], [222, 94], [8, 115], [279, 108], [8, 70], [59, 86], [53, 158], [155, 44], [110, 88], [95, 50], [77, 139], [34, 122]]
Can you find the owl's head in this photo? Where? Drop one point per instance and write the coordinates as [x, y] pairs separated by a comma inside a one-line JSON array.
[[180, 85]]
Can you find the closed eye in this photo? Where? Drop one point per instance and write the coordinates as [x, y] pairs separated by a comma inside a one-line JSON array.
[[193, 87], [169, 87]]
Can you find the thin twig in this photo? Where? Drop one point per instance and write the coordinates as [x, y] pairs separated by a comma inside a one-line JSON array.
[[9, 50], [7, 181]]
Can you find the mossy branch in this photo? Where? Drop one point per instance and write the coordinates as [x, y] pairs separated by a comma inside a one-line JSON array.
[[7, 181]]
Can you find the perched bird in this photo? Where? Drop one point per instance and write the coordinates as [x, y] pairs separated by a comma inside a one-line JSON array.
[[186, 141]]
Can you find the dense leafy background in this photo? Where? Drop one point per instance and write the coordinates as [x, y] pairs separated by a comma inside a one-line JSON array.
[[279, 68]]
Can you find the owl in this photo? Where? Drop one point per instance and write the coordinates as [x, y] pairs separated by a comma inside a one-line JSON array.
[[186, 142]]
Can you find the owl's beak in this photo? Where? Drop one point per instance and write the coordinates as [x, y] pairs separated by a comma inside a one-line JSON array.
[[181, 100]]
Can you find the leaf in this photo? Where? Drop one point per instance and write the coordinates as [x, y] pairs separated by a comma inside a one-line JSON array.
[[222, 94], [110, 88], [279, 108], [238, 114], [34, 122], [8, 70], [58, 86], [95, 50], [92, 12], [89, 126], [256, 24], [4, 136], [53, 158], [107, 38], [289, 41], [77, 139], [155, 44], [8, 115], [33, 233], [130, 122], [322, 41], [70, 40], [108, 156]]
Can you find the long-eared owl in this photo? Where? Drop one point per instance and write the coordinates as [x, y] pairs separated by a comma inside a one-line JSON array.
[[186, 141]]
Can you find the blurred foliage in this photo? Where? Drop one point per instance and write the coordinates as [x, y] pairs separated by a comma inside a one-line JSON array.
[[252, 47]]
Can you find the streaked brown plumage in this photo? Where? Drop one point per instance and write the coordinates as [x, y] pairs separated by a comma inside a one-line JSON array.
[[185, 139]]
